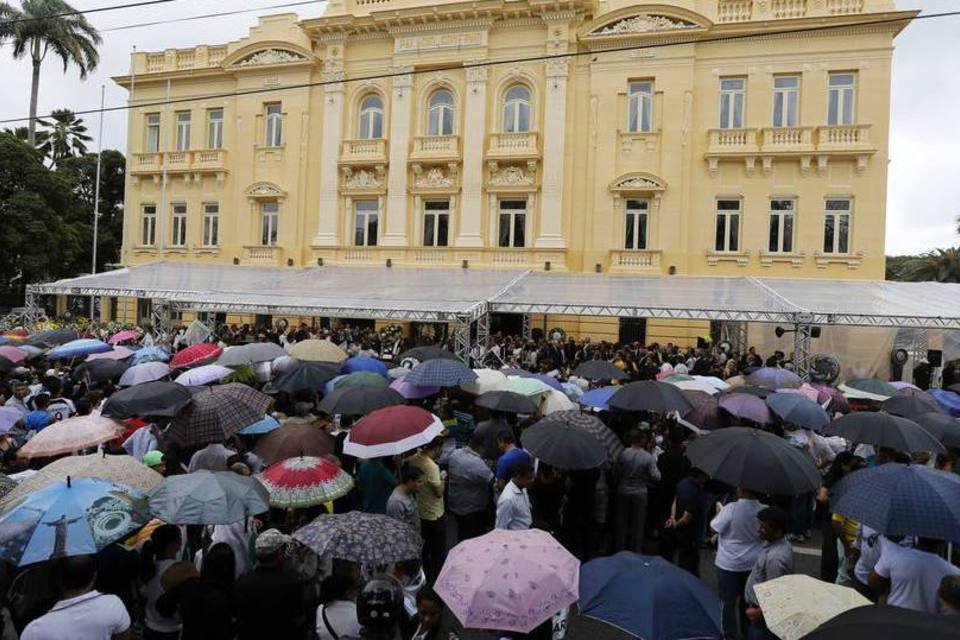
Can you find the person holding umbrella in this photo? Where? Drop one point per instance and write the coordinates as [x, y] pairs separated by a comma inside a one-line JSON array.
[[430, 506], [683, 526], [637, 470], [774, 560]]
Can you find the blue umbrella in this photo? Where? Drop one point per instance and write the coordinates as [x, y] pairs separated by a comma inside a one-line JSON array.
[[948, 400], [648, 597], [363, 363], [149, 354], [76, 348], [799, 410], [440, 373], [598, 398], [72, 518], [897, 499], [268, 424]]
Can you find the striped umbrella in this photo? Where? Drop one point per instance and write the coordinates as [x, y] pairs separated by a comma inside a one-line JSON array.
[[217, 413], [440, 373], [304, 481]]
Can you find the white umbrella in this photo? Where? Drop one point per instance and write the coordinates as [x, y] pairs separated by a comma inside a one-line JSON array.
[[487, 380], [714, 382], [206, 374], [693, 385], [556, 401], [146, 372], [251, 354]]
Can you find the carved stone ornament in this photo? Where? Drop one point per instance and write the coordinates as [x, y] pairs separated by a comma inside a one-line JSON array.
[[636, 183], [644, 24], [434, 178], [511, 176], [270, 56], [265, 190], [361, 179]]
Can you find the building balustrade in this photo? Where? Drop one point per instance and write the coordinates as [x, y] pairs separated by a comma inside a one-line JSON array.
[[435, 148], [522, 144], [635, 260], [199, 161], [363, 151]]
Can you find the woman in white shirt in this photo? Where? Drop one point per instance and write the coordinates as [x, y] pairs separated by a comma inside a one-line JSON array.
[[738, 545], [157, 555], [337, 616]]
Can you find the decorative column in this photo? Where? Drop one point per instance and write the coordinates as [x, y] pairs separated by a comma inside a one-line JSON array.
[[395, 234], [550, 234], [328, 216], [473, 139]]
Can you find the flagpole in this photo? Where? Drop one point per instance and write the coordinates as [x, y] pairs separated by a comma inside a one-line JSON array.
[[96, 195]]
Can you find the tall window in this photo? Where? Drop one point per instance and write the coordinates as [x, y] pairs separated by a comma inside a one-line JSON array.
[[640, 106], [273, 135], [513, 223], [148, 229], [269, 223], [440, 113], [728, 226], [371, 117], [436, 223], [732, 94], [153, 132], [786, 100], [840, 101], [782, 221], [367, 220], [179, 236], [836, 225], [636, 223], [516, 109], [214, 128], [183, 130], [211, 224]]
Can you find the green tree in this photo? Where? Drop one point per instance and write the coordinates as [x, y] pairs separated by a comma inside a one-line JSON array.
[[40, 27], [81, 173], [896, 265], [939, 265], [65, 136]]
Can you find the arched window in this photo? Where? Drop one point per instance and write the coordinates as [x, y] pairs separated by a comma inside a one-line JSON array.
[[440, 120], [371, 117], [516, 109]]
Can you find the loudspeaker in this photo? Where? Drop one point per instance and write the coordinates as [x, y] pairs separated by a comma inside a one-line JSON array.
[[935, 357]]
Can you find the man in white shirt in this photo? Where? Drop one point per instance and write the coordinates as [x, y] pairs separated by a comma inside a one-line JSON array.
[[83, 613], [738, 545], [910, 577], [868, 543], [513, 508]]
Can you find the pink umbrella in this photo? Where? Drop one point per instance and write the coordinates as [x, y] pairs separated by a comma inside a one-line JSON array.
[[198, 354], [123, 336], [746, 406], [412, 391], [118, 353], [71, 435], [508, 580], [15, 355], [838, 401], [803, 390]]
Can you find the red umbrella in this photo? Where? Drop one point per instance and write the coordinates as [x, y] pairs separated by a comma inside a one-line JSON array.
[[304, 481], [391, 431], [203, 353]]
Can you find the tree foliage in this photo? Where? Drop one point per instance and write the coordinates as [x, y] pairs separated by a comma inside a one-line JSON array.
[[939, 265], [64, 136]]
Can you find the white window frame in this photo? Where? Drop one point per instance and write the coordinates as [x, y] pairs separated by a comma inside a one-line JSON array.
[[370, 122], [366, 216], [178, 224], [184, 120], [839, 217], [512, 214], [516, 109], [269, 223], [152, 132], [273, 124], [733, 99], [148, 225], [441, 115], [731, 232], [844, 96], [215, 128], [782, 220], [786, 100], [431, 220], [637, 236], [211, 224], [640, 106]]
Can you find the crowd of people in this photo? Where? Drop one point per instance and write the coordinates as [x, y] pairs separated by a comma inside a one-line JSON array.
[[249, 580]]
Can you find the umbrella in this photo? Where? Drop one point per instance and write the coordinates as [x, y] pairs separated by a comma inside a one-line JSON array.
[[560, 444], [363, 538], [693, 385], [100, 370], [649, 395], [487, 380], [124, 336], [868, 389], [260, 427], [206, 374], [795, 605], [77, 348], [714, 382], [71, 435], [423, 354], [317, 351], [598, 399], [837, 401], [149, 354], [208, 497], [148, 399], [649, 598], [506, 402], [6, 365], [441, 373], [897, 499], [9, 416], [76, 517], [550, 381], [292, 440], [358, 401], [508, 580], [599, 370], [746, 406], [362, 379], [588, 424], [883, 430], [305, 376], [705, 413], [774, 378], [15, 355], [218, 413], [799, 410], [195, 355], [117, 353], [529, 387], [910, 406], [146, 372], [251, 354], [304, 481], [942, 427], [53, 337], [122, 470], [412, 391], [755, 460], [363, 363], [886, 623], [555, 401], [392, 430], [752, 390], [806, 390], [948, 400]]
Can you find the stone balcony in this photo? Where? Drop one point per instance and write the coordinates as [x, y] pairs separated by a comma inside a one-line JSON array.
[[786, 140], [520, 145], [199, 162], [805, 143], [488, 257], [263, 256], [368, 151], [746, 10], [435, 149], [636, 261]]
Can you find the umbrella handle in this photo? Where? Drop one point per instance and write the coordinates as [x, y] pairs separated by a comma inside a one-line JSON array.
[[69, 482]]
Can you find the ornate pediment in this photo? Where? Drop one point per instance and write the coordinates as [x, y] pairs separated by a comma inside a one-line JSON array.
[[637, 182], [435, 177], [270, 56], [513, 176], [643, 23], [265, 191], [363, 179]]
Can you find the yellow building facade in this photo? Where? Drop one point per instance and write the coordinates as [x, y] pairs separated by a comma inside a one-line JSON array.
[[726, 137]]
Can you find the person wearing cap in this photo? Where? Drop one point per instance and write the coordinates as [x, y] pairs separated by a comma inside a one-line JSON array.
[[154, 460], [775, 560]]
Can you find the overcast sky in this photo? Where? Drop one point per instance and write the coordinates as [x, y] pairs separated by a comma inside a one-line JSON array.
[[924, 179]]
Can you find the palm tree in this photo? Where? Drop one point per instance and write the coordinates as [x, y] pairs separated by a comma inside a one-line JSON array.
[[940, 265], [65, 136], [40, 27]]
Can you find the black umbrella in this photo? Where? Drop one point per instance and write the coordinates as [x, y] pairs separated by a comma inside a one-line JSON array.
[[306, 376], [428, 353], [599, 370], [877, 622], [506, 401], [6, 365], [944, 428], [52, 337], [148, 399], [910, 406], [100, 370], [755, 460], [883, 430], [753, 390], [647, 395], [358, 401], [562, 444]]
